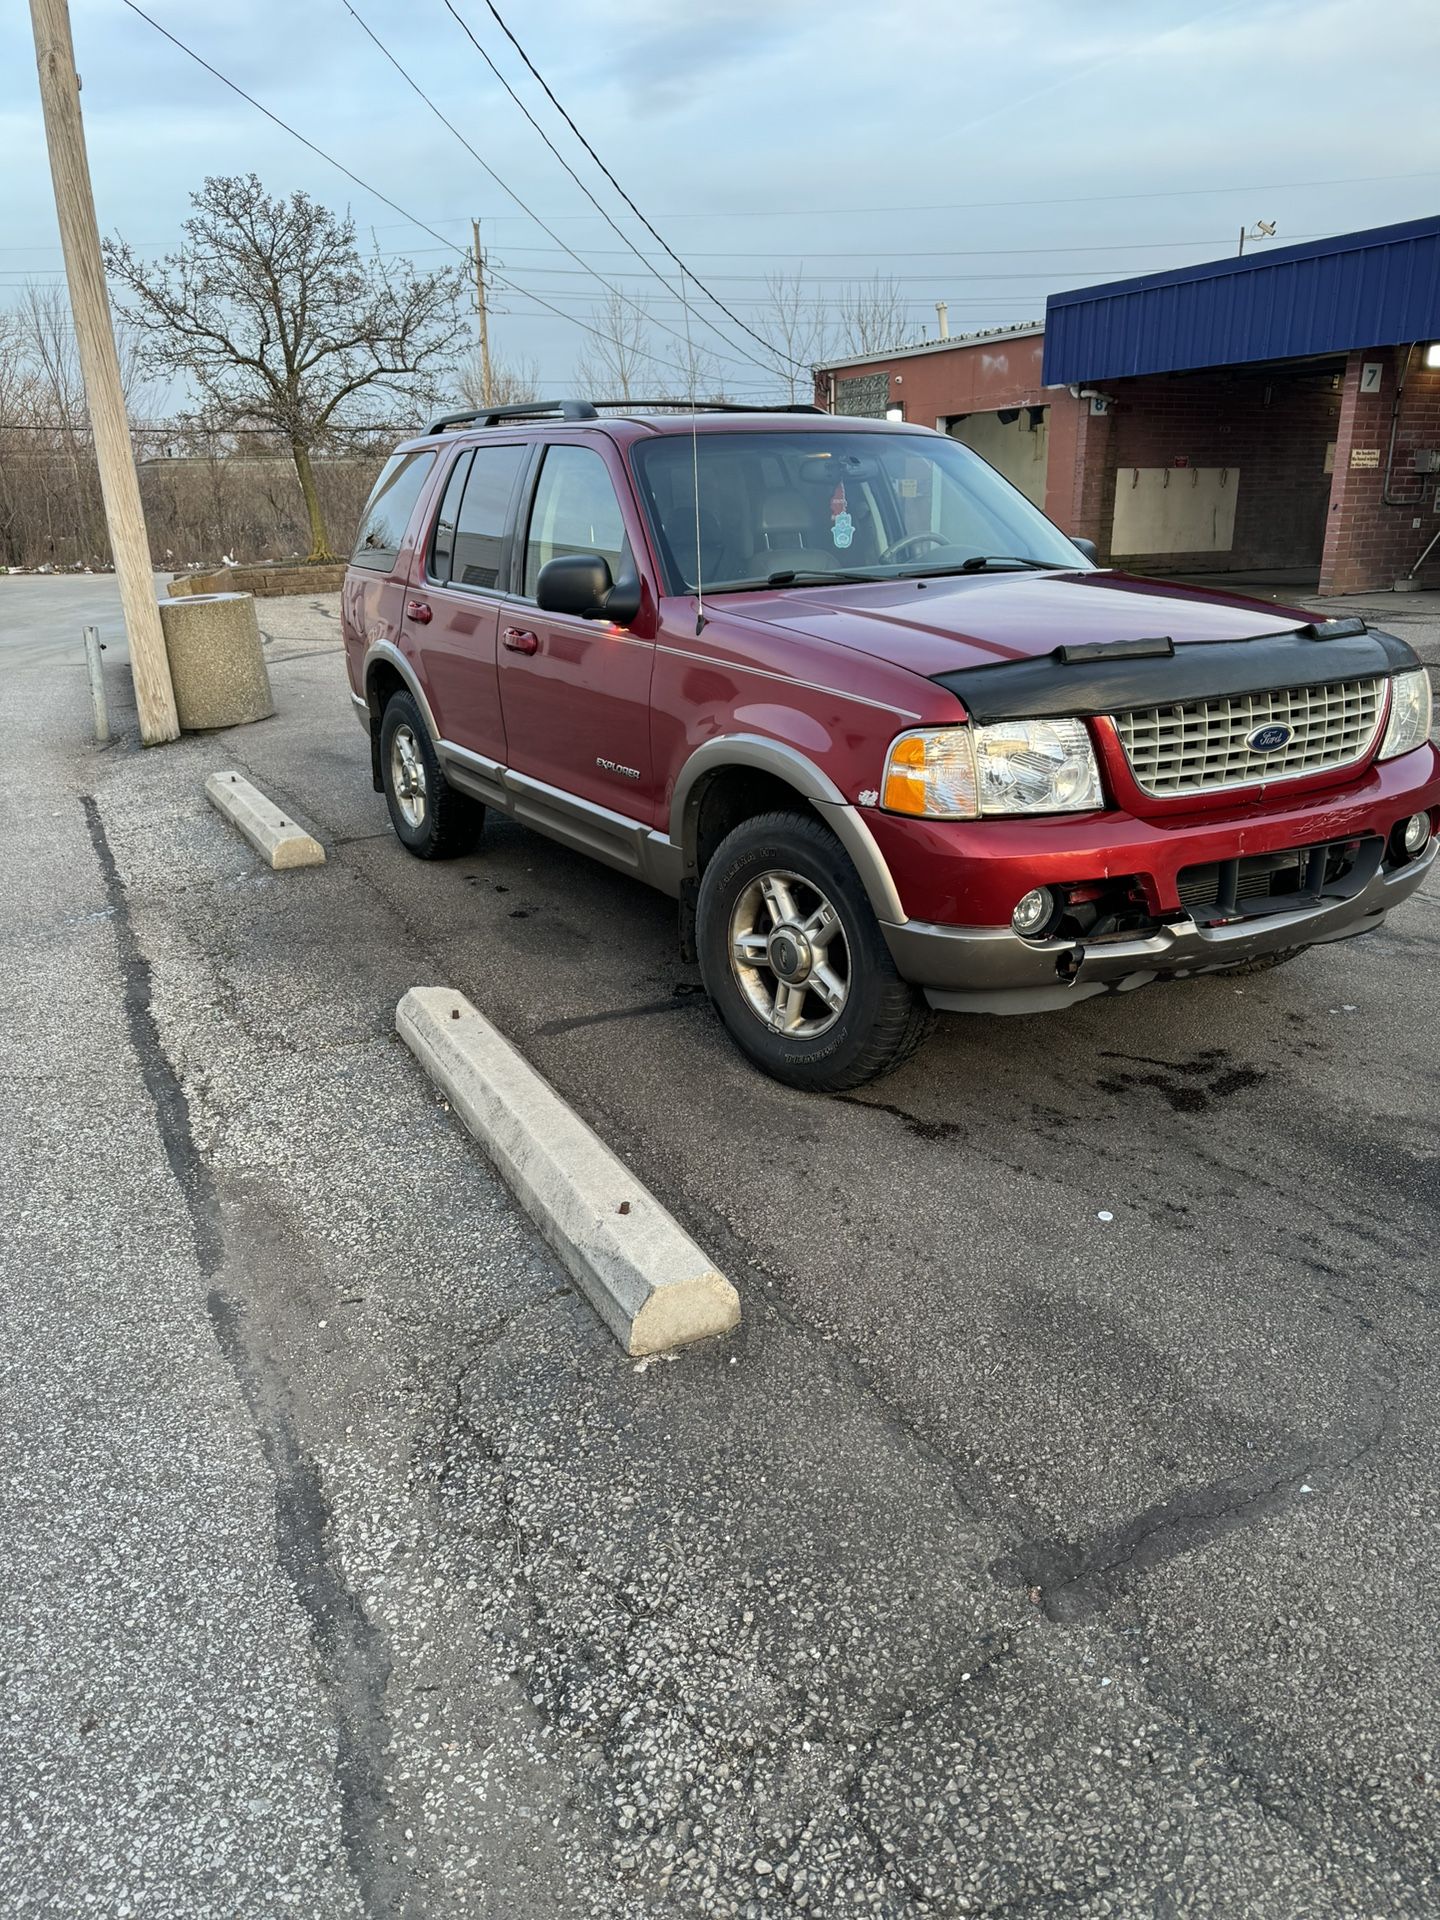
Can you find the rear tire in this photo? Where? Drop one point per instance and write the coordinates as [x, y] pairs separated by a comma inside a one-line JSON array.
[[431, 820], [795, 962]]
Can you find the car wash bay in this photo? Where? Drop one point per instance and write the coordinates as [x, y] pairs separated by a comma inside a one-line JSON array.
[[1222, 471], [1275, 414]]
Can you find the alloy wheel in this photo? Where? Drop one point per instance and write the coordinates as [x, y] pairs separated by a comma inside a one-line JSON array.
[[407, 776], [789, 955]]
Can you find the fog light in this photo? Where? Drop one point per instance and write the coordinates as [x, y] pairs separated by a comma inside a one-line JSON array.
[[1416, 833], [1033, 910]]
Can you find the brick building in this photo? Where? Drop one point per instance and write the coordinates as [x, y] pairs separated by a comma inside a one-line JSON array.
[[1277, 413]]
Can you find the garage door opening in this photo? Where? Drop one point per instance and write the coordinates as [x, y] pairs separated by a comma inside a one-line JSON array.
[[1224, 475], [1015, 440]]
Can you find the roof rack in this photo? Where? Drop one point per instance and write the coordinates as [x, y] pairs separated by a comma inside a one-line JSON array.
[[526, 410], [710, 406], [589, 410]]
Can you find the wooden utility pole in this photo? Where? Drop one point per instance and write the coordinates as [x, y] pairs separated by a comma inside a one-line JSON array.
[[100, 365], [487, 377]]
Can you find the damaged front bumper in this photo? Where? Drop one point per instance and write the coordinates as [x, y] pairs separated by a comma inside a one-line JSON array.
[[993, 970]]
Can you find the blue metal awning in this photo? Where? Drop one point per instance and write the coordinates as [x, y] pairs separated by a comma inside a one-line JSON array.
[[1373, 289]]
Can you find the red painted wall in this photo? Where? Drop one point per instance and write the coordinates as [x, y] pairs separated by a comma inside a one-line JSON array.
[[977, 377]]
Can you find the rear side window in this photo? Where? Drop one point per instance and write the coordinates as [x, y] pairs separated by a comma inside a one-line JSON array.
[[484, 515], [575, 511], [388, 510], [442, 541]]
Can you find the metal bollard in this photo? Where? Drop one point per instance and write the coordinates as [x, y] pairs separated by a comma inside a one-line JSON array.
[[97, 685]]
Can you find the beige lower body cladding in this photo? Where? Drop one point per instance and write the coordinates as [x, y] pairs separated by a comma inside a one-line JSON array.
[[217, 661], [648, 1280]]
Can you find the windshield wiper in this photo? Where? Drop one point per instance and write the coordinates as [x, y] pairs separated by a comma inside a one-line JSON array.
[[812, 576], [982, 562]]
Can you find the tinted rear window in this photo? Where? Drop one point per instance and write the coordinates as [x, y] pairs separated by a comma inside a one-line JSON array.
[[388, 510], [484, 511]]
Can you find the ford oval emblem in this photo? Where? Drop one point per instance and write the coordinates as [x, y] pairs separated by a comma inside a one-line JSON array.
[[1269, 738]]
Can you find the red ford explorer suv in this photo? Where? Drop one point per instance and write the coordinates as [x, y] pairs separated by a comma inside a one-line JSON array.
[[892, 741]]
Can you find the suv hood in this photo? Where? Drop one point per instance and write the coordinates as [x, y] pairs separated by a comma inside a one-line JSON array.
[[984, 619]]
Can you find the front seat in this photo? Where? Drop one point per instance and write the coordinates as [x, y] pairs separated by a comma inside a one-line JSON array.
[[788, 534]]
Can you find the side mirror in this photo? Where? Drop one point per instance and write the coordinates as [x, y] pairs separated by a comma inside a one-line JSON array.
[[1087, 547], [580, 584]]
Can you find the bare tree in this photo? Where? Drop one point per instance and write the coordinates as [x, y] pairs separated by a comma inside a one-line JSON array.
[[612, 366], [870, 315], [798, 326], [511, 382], [207, 491], [42, 399], [270, 314]]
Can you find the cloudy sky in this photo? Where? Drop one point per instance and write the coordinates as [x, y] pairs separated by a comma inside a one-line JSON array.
[[981, 155]]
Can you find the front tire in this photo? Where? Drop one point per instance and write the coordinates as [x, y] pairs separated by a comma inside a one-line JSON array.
[[431, 820], [795, 962]]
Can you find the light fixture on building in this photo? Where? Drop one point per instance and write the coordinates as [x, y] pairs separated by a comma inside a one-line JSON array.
[[1432, 354], [894, 413]]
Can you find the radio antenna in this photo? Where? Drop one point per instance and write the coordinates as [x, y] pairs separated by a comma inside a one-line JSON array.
[[694, 470]]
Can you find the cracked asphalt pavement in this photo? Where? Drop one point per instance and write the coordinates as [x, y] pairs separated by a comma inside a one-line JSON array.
[[1056, 1536]]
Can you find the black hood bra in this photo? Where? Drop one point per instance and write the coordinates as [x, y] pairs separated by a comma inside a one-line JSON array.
[[1098, 678]]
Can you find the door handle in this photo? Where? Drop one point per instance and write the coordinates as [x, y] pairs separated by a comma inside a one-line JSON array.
[[419, 611], [519, 640]]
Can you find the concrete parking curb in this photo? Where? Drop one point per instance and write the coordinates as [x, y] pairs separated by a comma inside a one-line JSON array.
[[271, 833], [651, 1284]]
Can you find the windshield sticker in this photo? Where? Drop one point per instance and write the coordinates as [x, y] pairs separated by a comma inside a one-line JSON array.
[[842, 527]]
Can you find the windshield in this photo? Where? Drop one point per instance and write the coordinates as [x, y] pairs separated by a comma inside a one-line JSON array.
[[787, 508]]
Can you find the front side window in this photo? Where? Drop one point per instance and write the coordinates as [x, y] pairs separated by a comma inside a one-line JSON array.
[[388, 510], [787, 506], [484, 515], [575, 511]]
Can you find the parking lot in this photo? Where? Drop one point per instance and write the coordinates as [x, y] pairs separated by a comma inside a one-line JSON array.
[[1056, 1535]]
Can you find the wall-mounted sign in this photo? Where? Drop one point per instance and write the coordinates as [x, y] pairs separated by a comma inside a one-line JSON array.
[[865, 396], [1364, 456], [1370, 375]]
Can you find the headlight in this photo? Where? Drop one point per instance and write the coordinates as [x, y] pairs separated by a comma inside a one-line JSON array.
[[1409, 713], [1016, 766]]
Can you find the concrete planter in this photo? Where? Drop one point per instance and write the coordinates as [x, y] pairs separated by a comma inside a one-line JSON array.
[[217, 664]]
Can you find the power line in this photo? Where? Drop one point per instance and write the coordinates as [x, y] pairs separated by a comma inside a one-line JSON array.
[[605, 215], [1044, 200], [292, 131], [659, 238], [505, 188], [942, 253], [981, 206], [364, 185], [1050, 275]]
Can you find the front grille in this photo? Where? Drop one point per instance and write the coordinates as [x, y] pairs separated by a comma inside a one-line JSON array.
[[1261, 883], [1201, 745], [1253, 879]]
